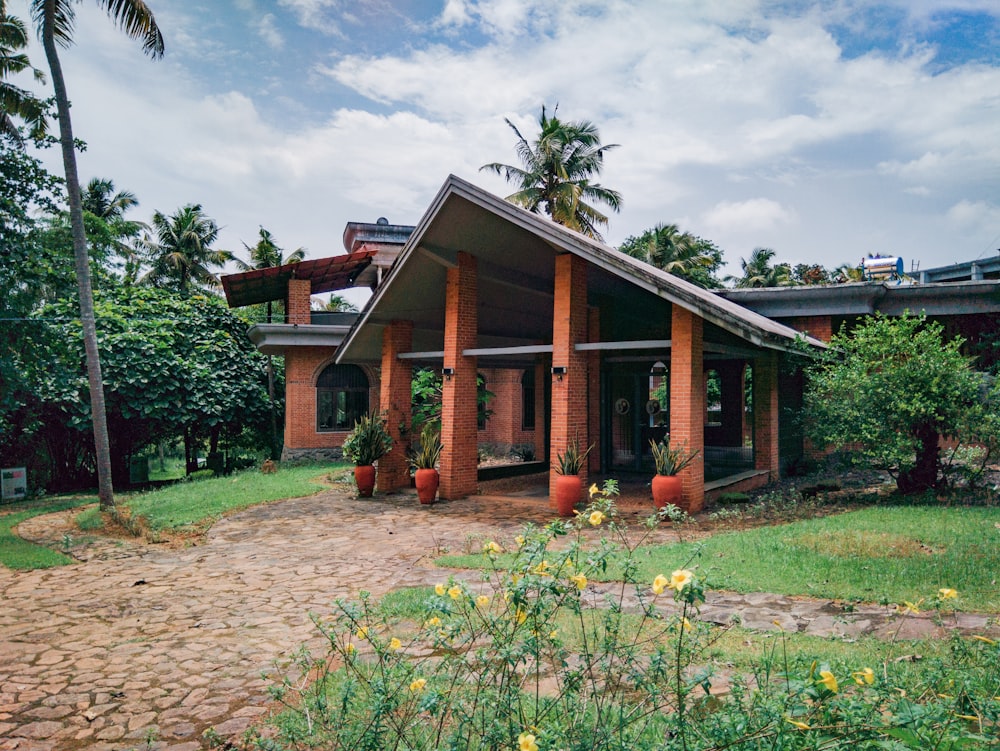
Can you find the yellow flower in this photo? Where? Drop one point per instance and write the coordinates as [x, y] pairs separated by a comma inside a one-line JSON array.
[[542, 569], [483, 600], [828, 680], [596, 517], [984, 639], [660, 583], [519, 540], [349, 648], [594, 490], [686, 624], [862, 677], [491, 548], [946, 593], [554, 633], [455, 592], [680, 579], [580, 581], [418, 685], [362, 633], [526, 742], [395, 643], [799, 725], [432, 622], [520, 616], [439, 590], [910, 607]]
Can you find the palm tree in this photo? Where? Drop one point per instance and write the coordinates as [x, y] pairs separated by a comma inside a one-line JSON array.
[[54, 21], [679, 253], [556, 173], [15, 101], [758, 272], [101, 199], [340, 304], [265, 255], [181, 254]]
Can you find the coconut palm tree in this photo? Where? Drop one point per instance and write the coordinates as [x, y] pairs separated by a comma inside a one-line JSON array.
[[102, 200], [15, 102], [54, 22], [181, 254], [556, 170], [758, 271], [679, 253]]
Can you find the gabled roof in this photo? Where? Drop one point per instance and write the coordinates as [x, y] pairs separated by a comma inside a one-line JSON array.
[[326, 275], [514, 248]]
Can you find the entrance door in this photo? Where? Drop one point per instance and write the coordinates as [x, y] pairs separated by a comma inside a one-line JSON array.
[[637, 410]]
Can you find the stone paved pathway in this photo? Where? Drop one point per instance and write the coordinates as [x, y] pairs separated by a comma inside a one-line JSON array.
[[146, 642]]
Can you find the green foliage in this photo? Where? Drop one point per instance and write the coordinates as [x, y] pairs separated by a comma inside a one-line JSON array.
[[429, 451], [670, 460], [425, 388], [679, 253], [570, 461], [181, 257], [890, 389], [171, 365], [534, 657], [369, 441]]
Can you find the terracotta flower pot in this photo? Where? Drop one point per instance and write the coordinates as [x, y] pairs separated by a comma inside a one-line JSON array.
[[568, 488], [364, 476], [668, 489], [426, 481]]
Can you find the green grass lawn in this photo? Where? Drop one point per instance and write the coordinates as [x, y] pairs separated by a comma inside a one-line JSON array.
[[18, 553], [890, 553]]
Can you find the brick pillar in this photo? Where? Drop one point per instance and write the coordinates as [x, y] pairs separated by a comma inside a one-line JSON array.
[[569, 394], [687, 400], [594, 390], [394, 402], [459, 435], [297, 302], [765, 413]]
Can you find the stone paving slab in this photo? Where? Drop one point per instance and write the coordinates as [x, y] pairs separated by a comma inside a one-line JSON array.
[[143, 641]]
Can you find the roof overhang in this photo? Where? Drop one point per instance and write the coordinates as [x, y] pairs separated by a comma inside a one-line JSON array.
[[324, 274], [275, 338], [514, 251]]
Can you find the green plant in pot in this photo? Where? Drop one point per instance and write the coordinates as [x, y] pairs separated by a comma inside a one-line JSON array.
[[669, 461], [365, 445], [568, 483], [424, 459]]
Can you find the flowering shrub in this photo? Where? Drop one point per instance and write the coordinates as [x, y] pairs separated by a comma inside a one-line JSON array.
[[536, 657]]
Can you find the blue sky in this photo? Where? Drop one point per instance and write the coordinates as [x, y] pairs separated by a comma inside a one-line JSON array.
[[824, 130]]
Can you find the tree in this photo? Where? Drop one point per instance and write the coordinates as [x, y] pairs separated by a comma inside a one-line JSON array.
[[556, 170], [54, 21], [758, 272], [679, 253], [265, 255], [15, 102], [104, 203], [174, 365], [181, 255], [891, 389], [340, 304]]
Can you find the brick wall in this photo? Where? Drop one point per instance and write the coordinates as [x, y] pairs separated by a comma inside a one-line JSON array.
[[297, 303], [503, 429], [687, 399], [395, 400], [818, 327], [765, 414]]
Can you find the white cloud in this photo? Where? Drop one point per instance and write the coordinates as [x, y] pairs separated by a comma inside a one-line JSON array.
[[268, 31], [753, 215], [975, 213]]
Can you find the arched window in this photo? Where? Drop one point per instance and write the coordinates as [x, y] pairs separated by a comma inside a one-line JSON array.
[[341, 397], [528, 400]]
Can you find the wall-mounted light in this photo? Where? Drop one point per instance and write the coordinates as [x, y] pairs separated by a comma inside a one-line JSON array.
[[447, 373], [559, 371]]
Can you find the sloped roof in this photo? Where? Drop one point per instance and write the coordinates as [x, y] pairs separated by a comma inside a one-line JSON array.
[[508, 243], [326, 275]]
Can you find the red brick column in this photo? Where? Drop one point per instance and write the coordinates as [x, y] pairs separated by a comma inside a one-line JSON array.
[[765, 413], [459, 435], [818, 327], [594, 390], [394, 402], [687, 399], [297, 302], [569, 393]]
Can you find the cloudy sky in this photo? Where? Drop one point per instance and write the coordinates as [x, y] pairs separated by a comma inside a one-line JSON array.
[[824, 130]]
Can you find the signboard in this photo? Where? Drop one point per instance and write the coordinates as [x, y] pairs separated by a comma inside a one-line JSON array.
[[13, 483]]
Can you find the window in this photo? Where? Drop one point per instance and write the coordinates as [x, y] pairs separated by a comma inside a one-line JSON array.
[[341, 397], [482, 402], [528, 400]]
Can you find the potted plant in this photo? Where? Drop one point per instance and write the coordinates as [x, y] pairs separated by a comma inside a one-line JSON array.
[[669, 461], [366, 444], [424, 461], [568, 483]]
